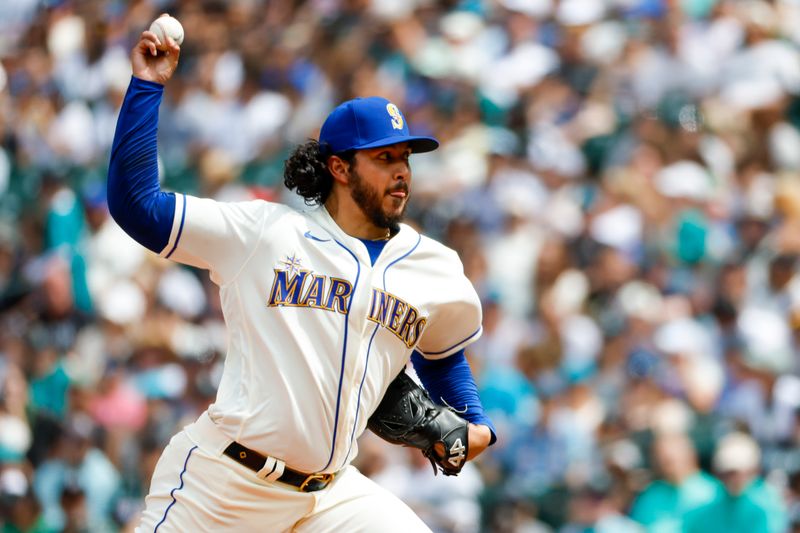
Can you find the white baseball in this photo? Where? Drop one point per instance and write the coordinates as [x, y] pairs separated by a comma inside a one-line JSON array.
[[165, 27]]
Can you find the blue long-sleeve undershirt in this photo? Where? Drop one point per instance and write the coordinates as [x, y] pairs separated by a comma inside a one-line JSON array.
[[449, 380], [135, 199]]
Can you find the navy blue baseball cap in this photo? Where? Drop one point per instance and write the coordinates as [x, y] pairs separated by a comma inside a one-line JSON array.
[[369, 123]]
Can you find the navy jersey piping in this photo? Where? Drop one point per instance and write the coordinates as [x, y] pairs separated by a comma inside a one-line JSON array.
[[180, 229], [308, 235], [173, 491], [344, 356], [462, 341], [390, 265], [369, 348], [358, 403]]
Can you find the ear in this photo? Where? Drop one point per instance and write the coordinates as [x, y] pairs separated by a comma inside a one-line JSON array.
[[339, 169]]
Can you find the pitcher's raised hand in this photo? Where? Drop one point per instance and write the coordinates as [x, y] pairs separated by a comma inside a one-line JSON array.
[[153, 60]]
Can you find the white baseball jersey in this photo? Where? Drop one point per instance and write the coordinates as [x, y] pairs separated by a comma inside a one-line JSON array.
[[315, 332]]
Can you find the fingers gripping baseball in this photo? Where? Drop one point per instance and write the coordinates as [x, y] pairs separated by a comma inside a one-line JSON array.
[[154, 59]]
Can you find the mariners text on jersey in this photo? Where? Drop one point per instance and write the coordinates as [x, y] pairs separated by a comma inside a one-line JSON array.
[[396, 315], [295, 287], [302, 288]]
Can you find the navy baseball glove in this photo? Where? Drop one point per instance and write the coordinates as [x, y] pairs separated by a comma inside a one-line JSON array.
[[408, 416]]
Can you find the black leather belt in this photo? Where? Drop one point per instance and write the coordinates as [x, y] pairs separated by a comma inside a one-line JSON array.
[[255, 461]]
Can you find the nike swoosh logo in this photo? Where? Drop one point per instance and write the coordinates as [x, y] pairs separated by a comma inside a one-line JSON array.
[[308, 235]]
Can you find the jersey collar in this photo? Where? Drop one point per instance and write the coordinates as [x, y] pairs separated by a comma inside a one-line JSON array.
[[402, 241]]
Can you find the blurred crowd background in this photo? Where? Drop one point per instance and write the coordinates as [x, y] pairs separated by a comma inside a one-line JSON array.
[[620, 177]]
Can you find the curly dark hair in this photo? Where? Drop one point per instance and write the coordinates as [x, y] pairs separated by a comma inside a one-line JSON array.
[[306, 172]]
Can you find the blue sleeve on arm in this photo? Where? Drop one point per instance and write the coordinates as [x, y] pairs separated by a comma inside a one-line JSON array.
[[135, 199], [449, 380]]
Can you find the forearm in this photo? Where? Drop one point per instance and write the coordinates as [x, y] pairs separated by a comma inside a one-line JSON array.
[[135, 200], [480, 437], [450, 381]]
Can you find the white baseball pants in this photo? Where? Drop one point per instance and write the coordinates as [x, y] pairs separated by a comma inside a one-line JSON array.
[[196, 488]]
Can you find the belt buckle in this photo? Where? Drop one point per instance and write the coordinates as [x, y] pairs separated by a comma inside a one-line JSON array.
[[325, 478]]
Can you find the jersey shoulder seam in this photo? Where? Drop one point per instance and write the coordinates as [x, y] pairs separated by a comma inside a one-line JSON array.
[[437, 248], [264, 218]]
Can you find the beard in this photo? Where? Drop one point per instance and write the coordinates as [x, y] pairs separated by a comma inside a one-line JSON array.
[[371, 201]]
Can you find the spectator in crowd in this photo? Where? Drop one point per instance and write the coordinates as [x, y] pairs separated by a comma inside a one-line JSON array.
[[19, 507], [78, 485], [595, 508], [682, 486], [746, 502]]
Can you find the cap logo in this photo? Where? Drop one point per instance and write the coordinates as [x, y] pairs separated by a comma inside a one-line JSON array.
[[397, 118]]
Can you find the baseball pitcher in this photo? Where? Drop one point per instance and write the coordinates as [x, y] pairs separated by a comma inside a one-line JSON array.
[[324, 308]]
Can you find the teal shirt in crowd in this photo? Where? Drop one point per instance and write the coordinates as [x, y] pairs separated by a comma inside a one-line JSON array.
[[662, 506], [759, 509]]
